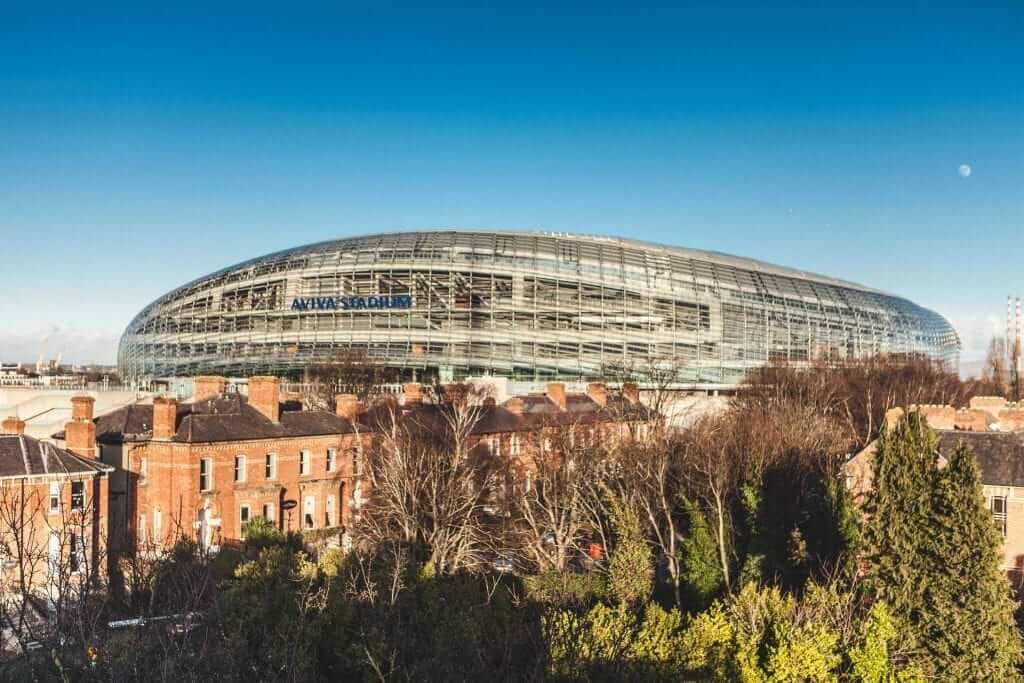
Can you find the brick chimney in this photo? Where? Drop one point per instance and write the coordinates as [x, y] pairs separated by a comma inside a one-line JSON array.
[[165, 417], [347, 406], [210, 386], [265, 396], [80, 433], [598, 393], [556, 394], [514, 405], [13, 425], [413, 394], [631, 392]]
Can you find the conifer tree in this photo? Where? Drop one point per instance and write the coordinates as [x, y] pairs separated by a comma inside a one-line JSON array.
[[898, 514], [967, 625], [933, 556]]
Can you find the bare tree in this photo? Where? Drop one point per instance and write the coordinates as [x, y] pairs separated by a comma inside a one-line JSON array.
[[348, 371], [429, 482]]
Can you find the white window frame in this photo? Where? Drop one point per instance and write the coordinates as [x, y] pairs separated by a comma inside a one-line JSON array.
[[244, 514], [332, 457], [206, 474], [158, 523], [513, 444], [305, 458], [143, 467], [240, 465], [269, 512], [54, 507], [329, 512], [142, 528], [495, 442], [270, 466]]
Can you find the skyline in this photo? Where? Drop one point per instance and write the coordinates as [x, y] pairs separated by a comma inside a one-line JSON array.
[[144, 151]]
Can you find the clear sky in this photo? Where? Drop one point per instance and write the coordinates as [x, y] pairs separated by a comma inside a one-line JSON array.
[[141, 148]]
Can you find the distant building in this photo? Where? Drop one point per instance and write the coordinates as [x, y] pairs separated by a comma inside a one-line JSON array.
[[530, 306]]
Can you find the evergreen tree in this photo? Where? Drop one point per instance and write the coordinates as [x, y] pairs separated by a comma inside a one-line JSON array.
[[967, 624], [898, 510], [933, 557]]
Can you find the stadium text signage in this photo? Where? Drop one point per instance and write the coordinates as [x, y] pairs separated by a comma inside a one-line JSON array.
[[348, 303]]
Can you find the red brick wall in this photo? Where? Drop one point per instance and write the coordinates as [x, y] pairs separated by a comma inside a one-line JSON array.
[[172, 484]]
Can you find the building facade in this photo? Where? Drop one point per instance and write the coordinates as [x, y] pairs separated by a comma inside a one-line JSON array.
[[529, 306], [53, 510]]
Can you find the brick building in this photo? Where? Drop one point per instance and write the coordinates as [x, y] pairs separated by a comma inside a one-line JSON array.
[[205, 467], [53, 508]]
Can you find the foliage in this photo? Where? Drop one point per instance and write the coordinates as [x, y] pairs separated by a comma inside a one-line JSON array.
[[702, 575]]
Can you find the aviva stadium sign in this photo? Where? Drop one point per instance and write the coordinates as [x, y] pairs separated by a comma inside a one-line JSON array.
[[349, 303]]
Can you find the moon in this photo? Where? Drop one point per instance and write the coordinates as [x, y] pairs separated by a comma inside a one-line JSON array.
[[964, 170]]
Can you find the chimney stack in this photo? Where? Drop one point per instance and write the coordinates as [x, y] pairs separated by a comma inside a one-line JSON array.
[[598, 393], [12, 425], [207, 387], [514, 405], [265, 396], [165, 417], [413, 394], [347, 406], [556, 394], [631, 392], [80, 433]]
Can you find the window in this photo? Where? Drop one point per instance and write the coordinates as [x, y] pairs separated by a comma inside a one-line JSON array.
[[357, 463], [271, 466], [205, 474], [78, 496], [513, 444], [268, 512], [330, 459], [495, 442], [143, 467], [308, 510], [239, 468], [999, 513], [243, 519], [142, 528], [303, 463], [158, 524], [54, 497], [77, 554], [329, 512]]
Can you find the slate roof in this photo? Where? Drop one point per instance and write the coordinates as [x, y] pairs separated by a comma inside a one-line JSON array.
[[228, 417], [22, 456], [1000, 455]]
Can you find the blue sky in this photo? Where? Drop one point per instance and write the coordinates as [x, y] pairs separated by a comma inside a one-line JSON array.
[[140, 149]]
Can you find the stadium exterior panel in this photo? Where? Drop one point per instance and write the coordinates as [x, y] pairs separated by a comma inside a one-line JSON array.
[[528, 306]]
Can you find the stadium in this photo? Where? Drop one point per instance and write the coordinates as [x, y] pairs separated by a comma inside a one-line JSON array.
[[528, 306]]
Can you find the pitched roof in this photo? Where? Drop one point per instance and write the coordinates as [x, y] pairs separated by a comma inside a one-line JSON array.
[[24, 456], [1000, 455], [228, 417]]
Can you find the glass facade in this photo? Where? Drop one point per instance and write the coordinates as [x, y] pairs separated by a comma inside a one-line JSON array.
[[530, 306]]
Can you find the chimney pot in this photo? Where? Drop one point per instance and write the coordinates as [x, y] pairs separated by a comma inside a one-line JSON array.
[[207, 387], [12, 425], [598, 393], [556, 394], [265, 396], [413, 393], [347, 406], [81, 408], [631, 392]]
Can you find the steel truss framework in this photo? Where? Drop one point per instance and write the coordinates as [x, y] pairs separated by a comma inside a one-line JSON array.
[[530, 306]]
